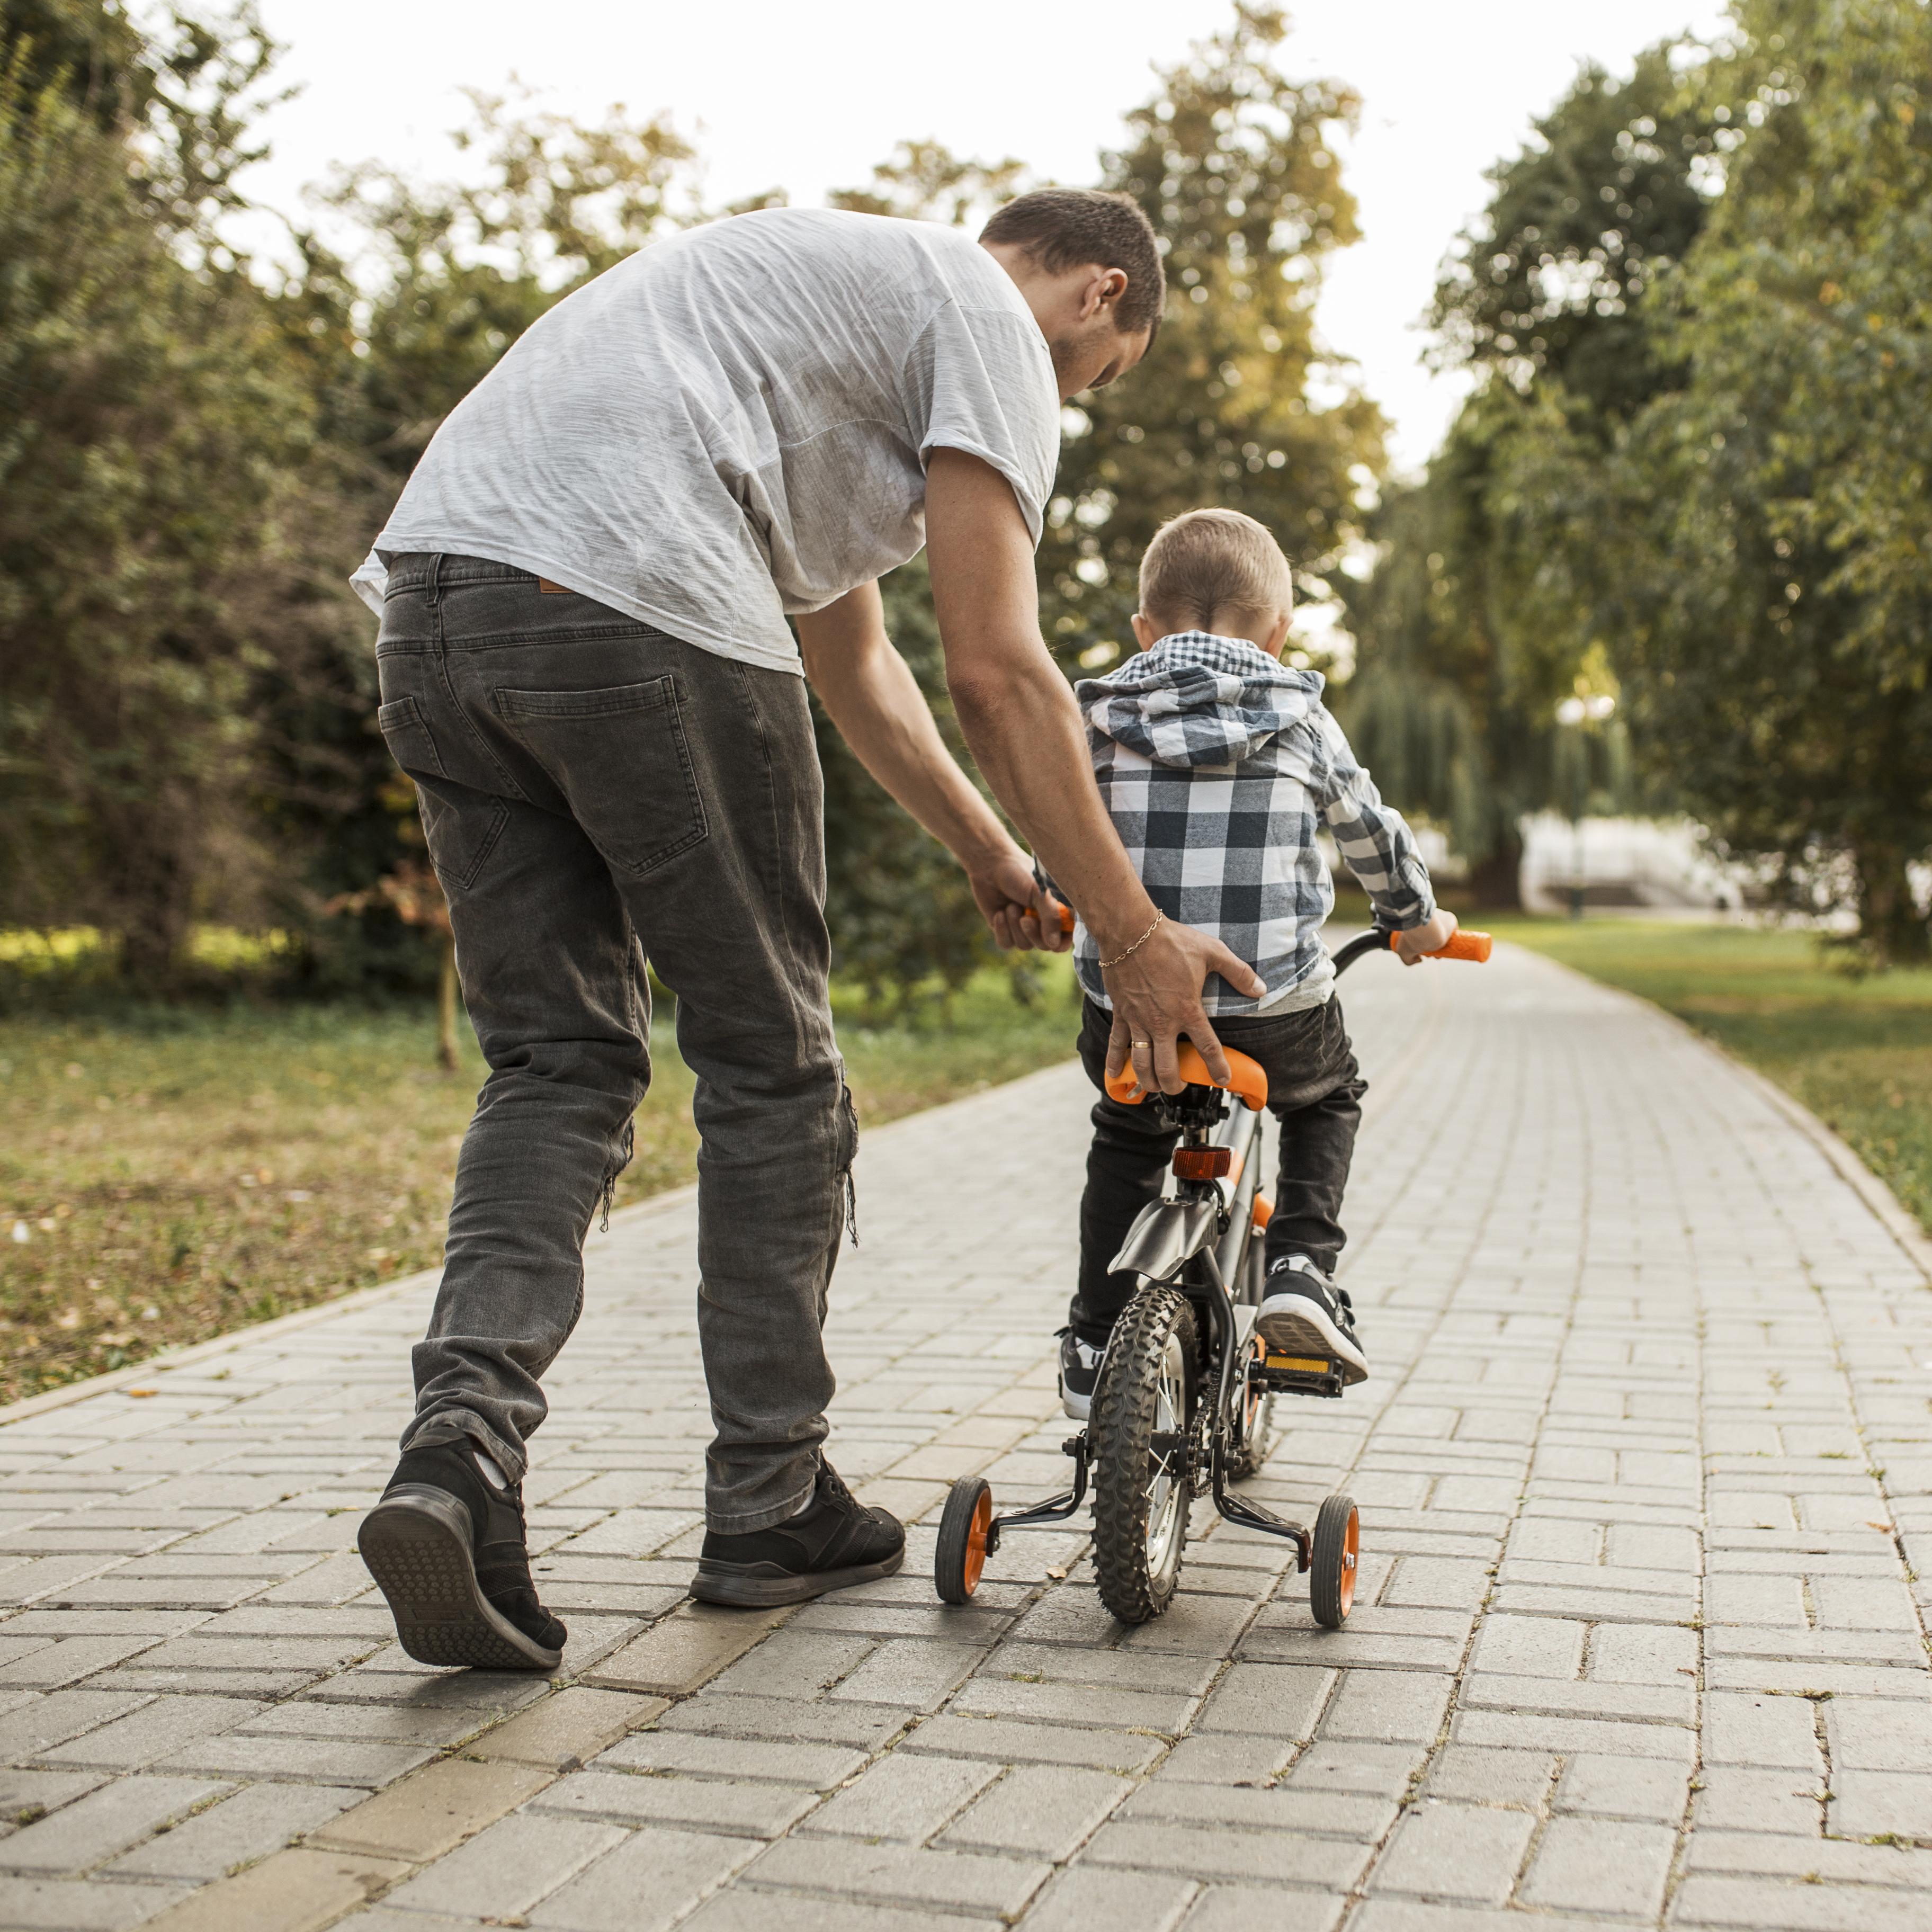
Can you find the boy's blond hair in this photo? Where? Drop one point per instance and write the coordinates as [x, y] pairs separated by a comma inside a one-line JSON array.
[[1204, 561]]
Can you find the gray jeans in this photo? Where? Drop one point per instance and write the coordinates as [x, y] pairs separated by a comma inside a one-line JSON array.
[[593, 791]]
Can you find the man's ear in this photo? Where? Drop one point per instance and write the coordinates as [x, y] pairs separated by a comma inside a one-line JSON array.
[[1103, 291]]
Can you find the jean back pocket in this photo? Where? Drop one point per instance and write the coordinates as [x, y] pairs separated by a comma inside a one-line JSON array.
[[620, 758]]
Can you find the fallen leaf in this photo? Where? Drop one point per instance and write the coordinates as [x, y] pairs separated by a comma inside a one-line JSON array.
[[1058, 1576], [137, 1393]]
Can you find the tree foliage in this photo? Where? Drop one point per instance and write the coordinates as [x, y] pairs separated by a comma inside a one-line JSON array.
[[187, 721], [1473, 626], [151, 440], [1236, 404]]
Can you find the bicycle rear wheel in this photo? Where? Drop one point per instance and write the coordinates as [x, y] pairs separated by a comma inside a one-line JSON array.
[[1144, 1405]]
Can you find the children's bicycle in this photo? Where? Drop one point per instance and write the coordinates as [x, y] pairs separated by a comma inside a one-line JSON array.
[[1183, 1404]]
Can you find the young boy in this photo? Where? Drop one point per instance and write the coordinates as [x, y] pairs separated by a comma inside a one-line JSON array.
[[1219, 764]]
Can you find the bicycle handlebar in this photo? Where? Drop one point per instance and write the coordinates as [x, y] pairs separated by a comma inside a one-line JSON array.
[[1463, 943]]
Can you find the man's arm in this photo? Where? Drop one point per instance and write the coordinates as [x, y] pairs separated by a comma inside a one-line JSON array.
[[870, 692], [1021, 721]]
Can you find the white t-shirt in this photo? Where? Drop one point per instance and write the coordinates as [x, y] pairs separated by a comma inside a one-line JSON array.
[[733, 424]]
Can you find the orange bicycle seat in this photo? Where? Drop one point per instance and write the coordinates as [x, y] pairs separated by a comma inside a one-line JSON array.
[[1245, 1080]]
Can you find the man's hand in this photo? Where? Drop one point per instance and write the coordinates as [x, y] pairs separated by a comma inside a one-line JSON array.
[[1156, 995], [1415, 945], [1006, 890]]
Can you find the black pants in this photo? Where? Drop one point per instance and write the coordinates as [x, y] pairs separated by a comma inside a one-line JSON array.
[[1314, 1091], [593, 791]]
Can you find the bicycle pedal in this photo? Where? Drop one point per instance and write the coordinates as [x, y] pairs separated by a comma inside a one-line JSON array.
[[1298, 1375]]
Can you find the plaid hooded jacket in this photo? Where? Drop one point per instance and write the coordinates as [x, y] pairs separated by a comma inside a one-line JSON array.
[[1218, 765]]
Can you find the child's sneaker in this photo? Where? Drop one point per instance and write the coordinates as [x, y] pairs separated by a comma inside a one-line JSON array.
[[1079, 1370], [1302, 1312]]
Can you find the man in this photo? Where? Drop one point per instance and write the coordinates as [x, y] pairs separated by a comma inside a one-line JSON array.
[[587, 668]]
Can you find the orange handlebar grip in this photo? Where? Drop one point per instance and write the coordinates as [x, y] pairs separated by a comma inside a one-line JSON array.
[[1246, 1082], [1464, 943], [1065, 917]]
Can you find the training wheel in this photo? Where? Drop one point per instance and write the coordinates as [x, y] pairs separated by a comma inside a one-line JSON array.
[[1331, 1568], [966, 1539]]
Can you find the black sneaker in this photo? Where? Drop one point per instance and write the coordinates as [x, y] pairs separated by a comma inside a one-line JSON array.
[[1079, 1370], [1303, 1313], [833, 1543], [447, 1548]]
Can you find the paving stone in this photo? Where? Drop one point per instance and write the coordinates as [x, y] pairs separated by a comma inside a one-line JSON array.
[[293, 1892], [1741, 1729], [1202, 1853], [1225, 1758], [38, 1724], [423, 1816], [817, 1767], [1381, 1770], [688, 1649], [38, 1792], [1035, 1743], [1046, 1811], [1869, 1803], [256, 1820], [1456, 1852], [159, 1730], [900, 1874], [1622, 1787], [107, 1821], [1601, 1864], [649, 1881], [1487, 1777], [785, 1719], [744, 1908], [1277, 1700], [1329, 1813], [1387, 1707], [909, 1798], [1087, 1898], [917, 1672], [1611, 1250], [308, 1760], [994, 1696], [83, 1905], [1866, 1734], [1236, 1908], [1530, 1646], [508, 1867], [1768, 1905], [757, 1810]]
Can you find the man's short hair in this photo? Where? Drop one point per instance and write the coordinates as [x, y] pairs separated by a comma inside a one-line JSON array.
[[1064, 228], [1208, 560]]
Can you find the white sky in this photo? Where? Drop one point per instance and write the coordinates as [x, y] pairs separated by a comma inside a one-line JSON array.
[[809, 97]]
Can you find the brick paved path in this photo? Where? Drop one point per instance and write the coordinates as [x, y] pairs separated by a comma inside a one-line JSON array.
[[1641, 1471]]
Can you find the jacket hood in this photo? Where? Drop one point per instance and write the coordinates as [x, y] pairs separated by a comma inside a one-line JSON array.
[[1198, 699]]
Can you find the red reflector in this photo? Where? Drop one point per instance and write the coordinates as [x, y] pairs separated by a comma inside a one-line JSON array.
[[1203, 1163]]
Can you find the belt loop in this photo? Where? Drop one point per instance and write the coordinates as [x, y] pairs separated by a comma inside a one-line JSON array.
[[436, 580]]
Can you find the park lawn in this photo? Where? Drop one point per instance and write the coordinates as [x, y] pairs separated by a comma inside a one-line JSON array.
[[1857, 1052], [169, 1174]]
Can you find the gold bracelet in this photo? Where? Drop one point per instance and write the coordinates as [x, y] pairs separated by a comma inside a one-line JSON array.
[[1107, 965]]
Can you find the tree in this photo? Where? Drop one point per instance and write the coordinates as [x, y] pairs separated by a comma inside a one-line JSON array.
[[1235, 404], [1482, 614], [151, 429], [1773, 591]]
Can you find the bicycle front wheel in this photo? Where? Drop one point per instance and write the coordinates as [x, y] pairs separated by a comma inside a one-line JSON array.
[[1144, 1410]]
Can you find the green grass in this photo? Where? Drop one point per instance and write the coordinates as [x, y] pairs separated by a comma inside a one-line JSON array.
[[1857, 1052], [169, 1173]]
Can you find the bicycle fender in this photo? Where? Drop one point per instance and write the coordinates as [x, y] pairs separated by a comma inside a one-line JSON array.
[[1166, 1235]]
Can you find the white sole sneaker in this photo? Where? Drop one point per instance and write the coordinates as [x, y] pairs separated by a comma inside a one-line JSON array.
[[1297, 1325]]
